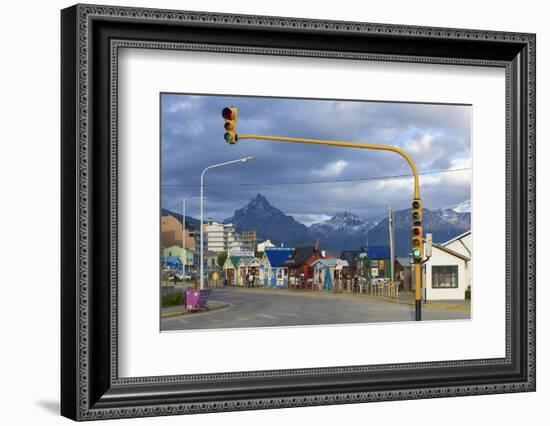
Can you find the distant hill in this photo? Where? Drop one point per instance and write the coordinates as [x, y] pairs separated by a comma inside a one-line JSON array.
[[444, 224], [189, 221], [345, 230]]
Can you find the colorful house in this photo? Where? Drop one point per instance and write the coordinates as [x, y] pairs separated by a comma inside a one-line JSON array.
[[247, 266], [327, 273], [349, 272], [374, 262], [186, 255], [172, 262], [273, 271], [230, 269], [300, 272]]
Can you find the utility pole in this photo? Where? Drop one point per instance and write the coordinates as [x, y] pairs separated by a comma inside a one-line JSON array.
[[392, 249], [230, 136]]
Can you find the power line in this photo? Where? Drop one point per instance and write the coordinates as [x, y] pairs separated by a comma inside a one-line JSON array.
[[174, 206], [314, 182]]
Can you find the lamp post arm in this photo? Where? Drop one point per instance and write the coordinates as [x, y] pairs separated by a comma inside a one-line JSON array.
[[213, 166]]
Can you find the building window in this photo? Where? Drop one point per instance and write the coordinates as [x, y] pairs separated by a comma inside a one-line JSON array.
[[445, 276]]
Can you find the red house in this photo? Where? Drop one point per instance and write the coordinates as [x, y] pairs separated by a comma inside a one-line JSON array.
[[299, 266]]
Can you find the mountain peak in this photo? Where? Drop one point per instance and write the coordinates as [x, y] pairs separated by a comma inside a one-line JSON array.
[[269, 222], [344, 215], [259, 198], [341, 220]]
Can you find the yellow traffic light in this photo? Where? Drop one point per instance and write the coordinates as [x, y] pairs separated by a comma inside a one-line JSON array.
[[230, 114], [417, 230]]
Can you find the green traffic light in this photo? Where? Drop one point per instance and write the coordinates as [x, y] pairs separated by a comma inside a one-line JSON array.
[[416, 253], [228, 137]]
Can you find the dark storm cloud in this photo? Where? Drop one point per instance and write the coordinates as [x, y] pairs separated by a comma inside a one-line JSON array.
[[436, 136]]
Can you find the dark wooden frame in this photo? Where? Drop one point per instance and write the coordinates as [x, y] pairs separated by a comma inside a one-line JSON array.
[[90, 386]]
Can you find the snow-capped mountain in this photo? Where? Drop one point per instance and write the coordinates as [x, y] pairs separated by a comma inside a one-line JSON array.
[[341, 220], [443, 224], [343, 230], [463, 207]]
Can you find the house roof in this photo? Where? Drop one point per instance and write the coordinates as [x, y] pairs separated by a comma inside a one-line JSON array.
[[277, 256], [301, 254], [377, 252], [331, 262], [350, 256], [247, 260], [458, 237], [452, 252], [234, 260]]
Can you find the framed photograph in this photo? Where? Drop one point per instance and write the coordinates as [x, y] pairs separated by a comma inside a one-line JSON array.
[[263, 212]]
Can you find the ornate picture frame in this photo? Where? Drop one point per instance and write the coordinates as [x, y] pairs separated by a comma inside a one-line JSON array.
[[91, 37]]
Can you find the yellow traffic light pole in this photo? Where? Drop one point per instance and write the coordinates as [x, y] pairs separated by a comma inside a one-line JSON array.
[[416, 195]]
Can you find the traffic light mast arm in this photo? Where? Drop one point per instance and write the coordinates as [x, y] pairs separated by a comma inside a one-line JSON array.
[[417, 252], [346, 145]]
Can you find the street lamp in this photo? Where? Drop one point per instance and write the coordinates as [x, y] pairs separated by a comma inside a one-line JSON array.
[[183, 231], [213, 166]]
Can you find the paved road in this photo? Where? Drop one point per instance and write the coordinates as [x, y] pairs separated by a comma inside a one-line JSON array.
[[264, 308]]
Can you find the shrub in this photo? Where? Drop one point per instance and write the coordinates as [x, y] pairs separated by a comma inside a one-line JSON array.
[[468, 293], [172, 300]]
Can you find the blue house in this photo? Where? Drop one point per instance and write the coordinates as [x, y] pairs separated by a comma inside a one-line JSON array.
[[172, 262], [273, 271]]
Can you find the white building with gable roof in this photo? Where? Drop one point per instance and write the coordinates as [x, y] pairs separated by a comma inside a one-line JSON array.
[[449, 270]]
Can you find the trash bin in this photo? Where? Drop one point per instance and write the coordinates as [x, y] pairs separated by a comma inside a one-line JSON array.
[[196, 299]]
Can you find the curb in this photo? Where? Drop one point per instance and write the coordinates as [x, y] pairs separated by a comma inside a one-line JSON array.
[[183, 312]]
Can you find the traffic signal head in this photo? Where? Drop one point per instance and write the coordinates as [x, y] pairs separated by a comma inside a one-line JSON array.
[[417, 230], [230, 114]]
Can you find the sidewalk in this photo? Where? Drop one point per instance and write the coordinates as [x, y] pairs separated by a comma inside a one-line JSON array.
[[457, 304]]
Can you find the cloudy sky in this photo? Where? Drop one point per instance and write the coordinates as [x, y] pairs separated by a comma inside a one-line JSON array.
[[312, 182]]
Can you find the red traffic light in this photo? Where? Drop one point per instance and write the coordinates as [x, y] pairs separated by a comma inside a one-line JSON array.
[[228, 114], [416, 231]]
